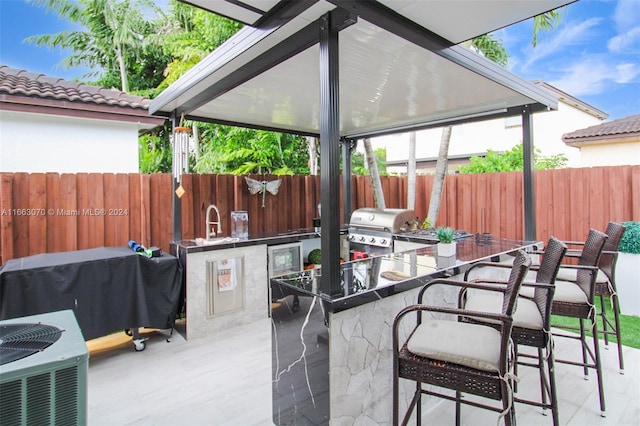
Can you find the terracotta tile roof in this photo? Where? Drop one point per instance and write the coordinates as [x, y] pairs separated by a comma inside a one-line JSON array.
[[622, 127], [20, 82]]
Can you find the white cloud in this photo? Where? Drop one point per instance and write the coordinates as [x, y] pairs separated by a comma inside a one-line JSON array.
[[626, 72], [627, 14], [570, 34], [592, 76], [627, 42]]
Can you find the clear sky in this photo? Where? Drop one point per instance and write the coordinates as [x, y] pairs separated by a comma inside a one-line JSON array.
[[594, 55]]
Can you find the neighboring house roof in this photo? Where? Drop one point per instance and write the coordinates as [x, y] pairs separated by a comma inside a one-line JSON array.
[[23, 91], [431, 161], [573, 101], [621, 130]]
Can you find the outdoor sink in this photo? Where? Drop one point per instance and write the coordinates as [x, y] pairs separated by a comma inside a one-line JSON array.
[[212, 241]]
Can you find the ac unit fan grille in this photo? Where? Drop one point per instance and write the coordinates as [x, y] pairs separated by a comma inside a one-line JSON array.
[[18, 341]]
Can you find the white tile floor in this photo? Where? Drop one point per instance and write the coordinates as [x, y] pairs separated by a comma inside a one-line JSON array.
[[227, 381]]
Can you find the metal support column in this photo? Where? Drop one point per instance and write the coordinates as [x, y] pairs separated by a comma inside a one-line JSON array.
[[528, 181], [329, 157], [176, 202], [347, 146]]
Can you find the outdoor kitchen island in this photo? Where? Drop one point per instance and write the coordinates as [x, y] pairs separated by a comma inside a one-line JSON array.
[[226, 280], [332, 359]]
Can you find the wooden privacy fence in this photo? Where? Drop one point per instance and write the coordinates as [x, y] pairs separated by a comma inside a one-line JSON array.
[[53, 212]]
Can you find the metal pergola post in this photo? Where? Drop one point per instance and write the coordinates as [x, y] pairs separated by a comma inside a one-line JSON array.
[[528, 182], [330, 157], [347, 147]]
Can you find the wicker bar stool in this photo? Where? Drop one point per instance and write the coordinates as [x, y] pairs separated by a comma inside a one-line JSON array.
[[469, 358], [576, 300], [605, 283], [531, 320]]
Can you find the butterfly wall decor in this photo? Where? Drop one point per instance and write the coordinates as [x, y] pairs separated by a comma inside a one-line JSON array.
[[257, 186]]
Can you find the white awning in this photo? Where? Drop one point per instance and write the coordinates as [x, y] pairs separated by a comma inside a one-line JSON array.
[[399, 68]]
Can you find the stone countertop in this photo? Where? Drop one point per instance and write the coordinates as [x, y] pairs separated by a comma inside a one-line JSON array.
[[377, 277], [269, 238]]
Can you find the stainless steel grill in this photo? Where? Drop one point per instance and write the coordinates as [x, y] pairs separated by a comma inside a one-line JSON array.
[[375, 227]]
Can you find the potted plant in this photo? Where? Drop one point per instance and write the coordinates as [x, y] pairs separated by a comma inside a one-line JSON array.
[[627, 267], [446, 246]]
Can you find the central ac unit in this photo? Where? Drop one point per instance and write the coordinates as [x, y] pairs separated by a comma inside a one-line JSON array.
[[43, 370]]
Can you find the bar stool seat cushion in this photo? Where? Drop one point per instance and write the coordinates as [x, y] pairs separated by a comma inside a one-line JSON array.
[[569, 274], [472, 345], [569, 292], [526, 315]]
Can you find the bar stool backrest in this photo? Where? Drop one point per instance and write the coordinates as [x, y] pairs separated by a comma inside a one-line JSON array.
[[591, 254], [607, 263]]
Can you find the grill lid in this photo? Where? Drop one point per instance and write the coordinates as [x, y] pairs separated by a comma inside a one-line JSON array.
[[382, 220]]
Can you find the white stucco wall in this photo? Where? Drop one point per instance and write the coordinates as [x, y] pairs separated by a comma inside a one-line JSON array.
[[39, 143], [612, 154], [497, 135]]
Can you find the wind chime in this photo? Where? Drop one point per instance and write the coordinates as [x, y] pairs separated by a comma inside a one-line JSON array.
[[180, 145]]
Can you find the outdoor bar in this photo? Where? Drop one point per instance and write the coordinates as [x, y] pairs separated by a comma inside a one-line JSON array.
[[345, 70]]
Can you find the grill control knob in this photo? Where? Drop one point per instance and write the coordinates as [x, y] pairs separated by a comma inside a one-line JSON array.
[[351, 237], [362, 238], [383, 241], [372, 240]]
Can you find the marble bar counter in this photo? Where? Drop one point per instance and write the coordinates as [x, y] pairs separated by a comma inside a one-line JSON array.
[[332, 358]]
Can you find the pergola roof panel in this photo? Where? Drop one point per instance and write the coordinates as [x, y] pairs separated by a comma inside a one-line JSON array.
[[394, 75]]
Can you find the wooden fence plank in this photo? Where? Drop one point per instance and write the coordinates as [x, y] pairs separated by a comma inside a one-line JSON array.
[[53, 227], [635, 195], [618, 192], [495, 213], [465, 203], [568, 202], [6, 217], [38, 224], [559, 225], [145, 210], [206, 197], [312, 195], [83, 204], [22, 212], [298, 201], [95, 203], [133, 206], [68, 230], [188, 225], [116, 202], [596, 197], [198, 228]]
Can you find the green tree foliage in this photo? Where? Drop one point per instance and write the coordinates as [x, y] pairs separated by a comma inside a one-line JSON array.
[[545, 22], [119, 40], [243, 151], [195, 33], [491, 48], [225, 149], [153, 155], [358, 163], [512, 160]]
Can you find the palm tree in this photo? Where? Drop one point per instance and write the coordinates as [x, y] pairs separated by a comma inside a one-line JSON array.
[[372, 165], [494, 50], [115, 33]]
